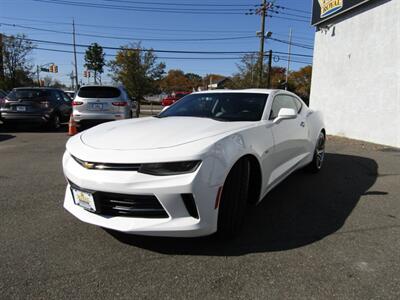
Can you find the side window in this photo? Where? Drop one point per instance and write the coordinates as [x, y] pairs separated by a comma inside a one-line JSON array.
[[281, 101], [65, 97], [57, 95], [298, 104]]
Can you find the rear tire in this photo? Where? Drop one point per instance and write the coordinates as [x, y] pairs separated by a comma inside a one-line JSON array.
[[54, 123], [234, 200], [7, 125], [319, 154]]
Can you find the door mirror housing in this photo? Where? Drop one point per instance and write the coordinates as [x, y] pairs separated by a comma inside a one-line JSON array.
[[285, 114]]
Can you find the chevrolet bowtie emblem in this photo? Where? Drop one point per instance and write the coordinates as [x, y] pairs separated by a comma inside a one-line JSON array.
[[88, 165]]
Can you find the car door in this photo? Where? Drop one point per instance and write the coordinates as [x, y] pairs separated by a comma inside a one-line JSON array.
[[289, 136], [64, 104]]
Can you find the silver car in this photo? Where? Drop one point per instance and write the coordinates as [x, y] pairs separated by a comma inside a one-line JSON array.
[[96, 104]]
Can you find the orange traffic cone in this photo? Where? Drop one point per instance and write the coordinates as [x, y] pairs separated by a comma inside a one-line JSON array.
[[72, 129]]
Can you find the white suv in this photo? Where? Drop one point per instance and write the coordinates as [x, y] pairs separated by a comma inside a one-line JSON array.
[[95, 103]]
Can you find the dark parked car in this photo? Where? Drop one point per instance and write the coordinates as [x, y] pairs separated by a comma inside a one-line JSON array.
[[48, 106], [3, 94]]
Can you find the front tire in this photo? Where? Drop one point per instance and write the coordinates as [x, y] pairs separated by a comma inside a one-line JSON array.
[[234, 200], [319, 155]]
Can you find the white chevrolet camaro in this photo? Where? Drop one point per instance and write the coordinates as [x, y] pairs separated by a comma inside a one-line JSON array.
[[191, 170]]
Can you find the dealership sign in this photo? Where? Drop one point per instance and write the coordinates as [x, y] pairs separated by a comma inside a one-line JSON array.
[[326, 9]]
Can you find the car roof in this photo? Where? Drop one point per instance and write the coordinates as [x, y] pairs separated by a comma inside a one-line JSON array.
[[253, 90], [96, 85], [37, 88], [258, 91]]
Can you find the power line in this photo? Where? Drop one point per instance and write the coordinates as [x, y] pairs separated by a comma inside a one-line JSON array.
[[293, 9], [290, 14], [309, 47], [124, 27], [131, 38], [144, 9], [295, 37], [153, 50], [181, 3], [289, 19], [171, 58]]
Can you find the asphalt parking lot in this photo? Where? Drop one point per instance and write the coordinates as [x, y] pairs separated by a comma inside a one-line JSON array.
[[335, 235]]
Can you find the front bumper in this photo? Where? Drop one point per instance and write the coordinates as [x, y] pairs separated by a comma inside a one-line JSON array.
[[167, 189]]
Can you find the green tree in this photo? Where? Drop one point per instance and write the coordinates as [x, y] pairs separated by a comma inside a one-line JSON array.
[[195, 79], [94, 60], [175, 81], [16, 62], [299, 82], [137, 69], [248, 72]]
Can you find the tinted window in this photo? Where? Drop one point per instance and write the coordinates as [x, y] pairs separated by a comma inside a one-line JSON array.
[[29, 94], [282, 101], [65, 97], [99, 92], [220, 106], [58, 95]]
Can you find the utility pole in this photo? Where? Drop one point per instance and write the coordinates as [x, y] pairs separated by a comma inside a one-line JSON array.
[[269, 69], [38, 75], [71, 76], [76, 64], [289, 57], [1, 58], [263, 13]]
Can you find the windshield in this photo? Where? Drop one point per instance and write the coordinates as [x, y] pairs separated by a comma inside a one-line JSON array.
[[28, 94], [219, 106], [99, 92]]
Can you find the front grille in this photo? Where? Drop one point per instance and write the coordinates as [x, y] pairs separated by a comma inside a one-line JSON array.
[[107, 166], [143, 206], [113, 204]]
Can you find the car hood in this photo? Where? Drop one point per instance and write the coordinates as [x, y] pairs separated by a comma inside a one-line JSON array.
[[155, 133]]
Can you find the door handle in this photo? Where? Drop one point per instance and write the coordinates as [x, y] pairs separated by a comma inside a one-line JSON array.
[[302, 124]]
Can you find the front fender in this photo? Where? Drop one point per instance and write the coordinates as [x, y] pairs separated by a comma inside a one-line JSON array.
[[227, 151]]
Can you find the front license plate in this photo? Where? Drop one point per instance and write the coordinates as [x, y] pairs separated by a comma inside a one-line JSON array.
[[96, 106], [84, 199], [21, 108]]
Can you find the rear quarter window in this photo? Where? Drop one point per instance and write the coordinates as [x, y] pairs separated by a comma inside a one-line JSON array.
[[99, 92]]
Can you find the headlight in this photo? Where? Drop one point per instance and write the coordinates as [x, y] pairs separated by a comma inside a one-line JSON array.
[[171, 168]]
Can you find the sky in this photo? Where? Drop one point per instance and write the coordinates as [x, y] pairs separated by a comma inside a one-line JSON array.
[[188, 25]]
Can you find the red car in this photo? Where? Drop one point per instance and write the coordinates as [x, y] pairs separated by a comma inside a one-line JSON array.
[[171, 99]]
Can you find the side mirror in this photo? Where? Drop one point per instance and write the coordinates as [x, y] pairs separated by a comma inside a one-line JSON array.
[[285, 114]]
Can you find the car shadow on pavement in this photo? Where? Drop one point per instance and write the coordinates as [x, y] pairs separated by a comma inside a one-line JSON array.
[[301, 210], [5, 137], [34, 128]]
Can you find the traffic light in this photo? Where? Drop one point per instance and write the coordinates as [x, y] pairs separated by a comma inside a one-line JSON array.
[[55, 69], [51, 68], [86, 73]]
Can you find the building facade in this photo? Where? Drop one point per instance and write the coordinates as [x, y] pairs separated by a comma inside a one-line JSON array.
[[356, 68]]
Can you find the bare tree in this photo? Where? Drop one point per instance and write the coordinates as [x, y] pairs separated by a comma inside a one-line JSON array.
[[17, 67]]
